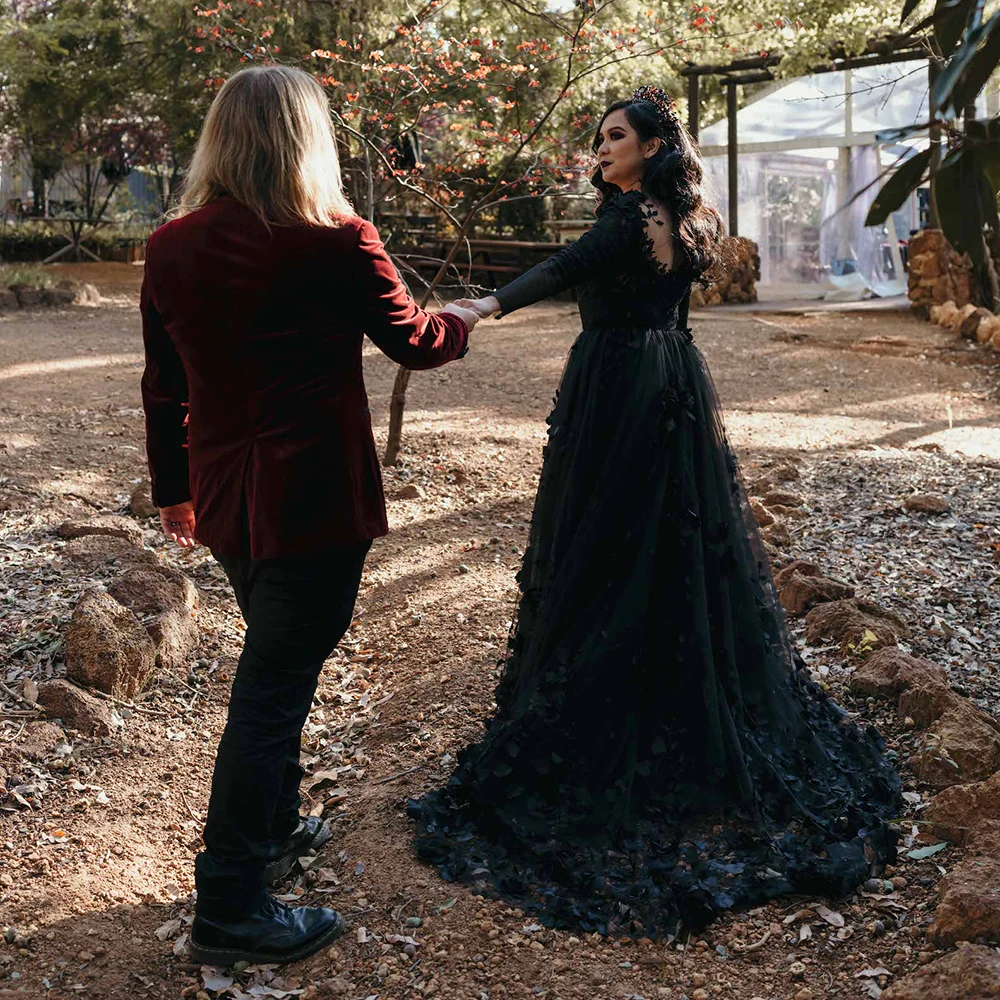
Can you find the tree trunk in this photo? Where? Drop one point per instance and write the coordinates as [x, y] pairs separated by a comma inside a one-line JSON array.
[[38, 193], [397, 406], [88, 198], [398, 402]]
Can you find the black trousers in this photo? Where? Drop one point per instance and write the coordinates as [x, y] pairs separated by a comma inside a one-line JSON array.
[[296, 609]]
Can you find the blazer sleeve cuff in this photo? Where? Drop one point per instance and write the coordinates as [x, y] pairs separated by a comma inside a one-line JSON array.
[[458, 327]]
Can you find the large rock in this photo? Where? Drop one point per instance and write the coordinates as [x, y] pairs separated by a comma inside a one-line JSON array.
[[926, 503], [889, 672], [777, 534], [84, 293], [8, 300], [761, 485], [957, 810], [171, 596], [785, 473], [969, 895], [783, 498], [794, 513], [802, 586], [963, 743], [141, 502], [108, 648], [409, 491], [39, 739], [971, 973], [154, 589], [104, 524], [78, 709], [969, 327], [174, 635], [802, 567], [859, 625], [926, 703], [27, 295], [91, 551], [762, 515], [58, 296]]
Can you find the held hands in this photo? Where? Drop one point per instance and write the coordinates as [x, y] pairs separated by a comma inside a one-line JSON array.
[[484, 307], [177, 522], [469, 316]]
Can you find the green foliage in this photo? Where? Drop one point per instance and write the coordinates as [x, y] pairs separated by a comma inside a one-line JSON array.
[[27, 241], [26, 274], [965, 184], [70, 69], [898, 188]]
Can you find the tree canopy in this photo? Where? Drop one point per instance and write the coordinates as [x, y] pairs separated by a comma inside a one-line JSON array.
[[128, 81]]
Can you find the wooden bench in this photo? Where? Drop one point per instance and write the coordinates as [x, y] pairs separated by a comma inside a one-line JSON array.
[[494, 261]]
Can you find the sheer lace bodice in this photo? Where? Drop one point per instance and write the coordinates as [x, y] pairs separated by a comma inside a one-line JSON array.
[[620, 280]]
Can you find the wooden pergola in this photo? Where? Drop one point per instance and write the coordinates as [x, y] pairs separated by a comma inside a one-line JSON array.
[[761, 69]]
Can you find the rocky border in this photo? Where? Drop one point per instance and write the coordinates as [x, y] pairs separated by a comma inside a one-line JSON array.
[[64, 293], [118, 638], [957, 754]]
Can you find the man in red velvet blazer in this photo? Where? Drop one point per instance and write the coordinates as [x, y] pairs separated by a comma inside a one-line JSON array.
[[253, 347], [260, 446]]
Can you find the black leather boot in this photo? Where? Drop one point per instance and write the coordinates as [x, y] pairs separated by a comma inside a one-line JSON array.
[[271, 934], [310, 835]]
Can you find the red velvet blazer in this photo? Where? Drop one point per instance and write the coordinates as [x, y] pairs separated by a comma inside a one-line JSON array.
[[253, 389]]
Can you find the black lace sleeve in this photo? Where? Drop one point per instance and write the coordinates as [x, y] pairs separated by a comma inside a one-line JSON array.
[[600, 248]]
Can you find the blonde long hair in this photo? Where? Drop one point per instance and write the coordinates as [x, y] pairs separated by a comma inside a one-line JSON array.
[[268, 141]]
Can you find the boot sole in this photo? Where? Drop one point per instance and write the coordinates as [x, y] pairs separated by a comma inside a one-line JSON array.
[[223, 957]]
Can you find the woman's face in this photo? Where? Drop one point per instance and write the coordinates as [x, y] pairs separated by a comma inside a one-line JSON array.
[[621, 153]]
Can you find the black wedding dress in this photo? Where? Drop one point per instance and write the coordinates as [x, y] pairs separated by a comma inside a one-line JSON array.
[[655, 756]]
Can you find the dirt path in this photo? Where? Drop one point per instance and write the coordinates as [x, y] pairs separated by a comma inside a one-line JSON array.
[[868, 407]]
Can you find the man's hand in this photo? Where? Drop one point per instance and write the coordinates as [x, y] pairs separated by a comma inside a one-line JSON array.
[[469, 316], [484, 307], [178, 523]]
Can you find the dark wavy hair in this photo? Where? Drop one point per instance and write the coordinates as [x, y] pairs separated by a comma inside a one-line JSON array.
[[673, 176]]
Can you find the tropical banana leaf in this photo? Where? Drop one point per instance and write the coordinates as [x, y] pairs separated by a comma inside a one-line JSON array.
[[950, 19], [975, 16], [985, 180], [966, 73], [894, 135], [896, 190], [980, 67], [986, 131], [964, 203], [990, 162]]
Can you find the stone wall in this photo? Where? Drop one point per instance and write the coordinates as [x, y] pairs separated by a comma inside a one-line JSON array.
[[937, 273], [739, 280]]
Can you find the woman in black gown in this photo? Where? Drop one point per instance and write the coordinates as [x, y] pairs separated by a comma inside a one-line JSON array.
[[656, 756]]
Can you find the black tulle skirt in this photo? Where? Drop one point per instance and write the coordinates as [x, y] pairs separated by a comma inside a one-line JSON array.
[[656, 756]]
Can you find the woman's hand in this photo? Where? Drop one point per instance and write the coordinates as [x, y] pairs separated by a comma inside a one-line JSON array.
[[484, 307], [469, 316], [177, 522]]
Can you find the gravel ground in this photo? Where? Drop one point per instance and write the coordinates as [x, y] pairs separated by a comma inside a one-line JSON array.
[[97, 844]]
